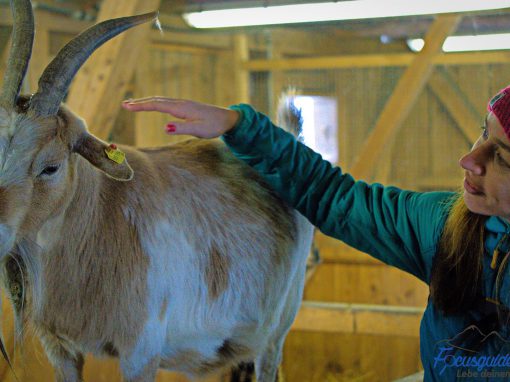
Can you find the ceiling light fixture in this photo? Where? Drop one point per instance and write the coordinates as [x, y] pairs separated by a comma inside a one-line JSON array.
[[498, 41], [334, 11]]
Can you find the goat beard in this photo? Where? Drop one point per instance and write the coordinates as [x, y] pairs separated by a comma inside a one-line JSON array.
[[21, 273]]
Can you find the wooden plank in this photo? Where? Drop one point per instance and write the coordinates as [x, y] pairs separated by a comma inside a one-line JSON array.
[[101, 84], [167, 47], [324, 320], [457, 105], [339, 357], [224, 93], [331, 62], [376, 284], [375, 60], [292, 41], [40, 55], [146, 124], [342, 254], [241, 75], [7, 328], [404, 96], [4, 57], [473, 58], [416, 377], [440, 183], [210, 40], [60, 23], [53, 22], [359, 319], [333, 250]]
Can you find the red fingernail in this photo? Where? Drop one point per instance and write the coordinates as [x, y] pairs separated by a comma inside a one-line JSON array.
[[113, 146], [170, 128]]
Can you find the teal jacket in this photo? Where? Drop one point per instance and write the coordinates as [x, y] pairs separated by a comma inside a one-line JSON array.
[[400, 228]]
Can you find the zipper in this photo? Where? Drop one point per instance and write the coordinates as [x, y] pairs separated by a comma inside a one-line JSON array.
[[495, 253], [501, 270]]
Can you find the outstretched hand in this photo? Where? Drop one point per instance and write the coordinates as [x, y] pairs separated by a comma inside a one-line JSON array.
[[197, 119]]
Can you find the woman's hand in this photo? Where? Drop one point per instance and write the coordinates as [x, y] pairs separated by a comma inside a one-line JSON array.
[[198, 119]]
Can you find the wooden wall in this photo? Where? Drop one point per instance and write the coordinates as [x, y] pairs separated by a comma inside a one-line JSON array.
[[423, 156]]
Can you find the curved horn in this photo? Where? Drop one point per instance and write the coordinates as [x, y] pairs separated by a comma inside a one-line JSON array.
[[57, 76], [21, 50]]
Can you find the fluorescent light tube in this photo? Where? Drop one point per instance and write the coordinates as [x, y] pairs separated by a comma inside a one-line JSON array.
[[333, 11], [498, 41]]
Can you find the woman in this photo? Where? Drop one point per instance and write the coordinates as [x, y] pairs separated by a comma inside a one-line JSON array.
[[457, 243]]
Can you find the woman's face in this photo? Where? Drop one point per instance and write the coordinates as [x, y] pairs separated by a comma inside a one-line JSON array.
[[487, 175]]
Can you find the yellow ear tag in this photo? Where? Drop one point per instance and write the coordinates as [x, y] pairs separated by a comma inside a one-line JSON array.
[[115, 154]]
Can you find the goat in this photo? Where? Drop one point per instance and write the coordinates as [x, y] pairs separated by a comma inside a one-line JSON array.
[[192, 264]]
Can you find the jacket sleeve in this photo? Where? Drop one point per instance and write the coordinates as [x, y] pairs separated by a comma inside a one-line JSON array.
[[400, 228]]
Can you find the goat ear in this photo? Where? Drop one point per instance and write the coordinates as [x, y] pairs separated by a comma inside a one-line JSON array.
[[96, 152]]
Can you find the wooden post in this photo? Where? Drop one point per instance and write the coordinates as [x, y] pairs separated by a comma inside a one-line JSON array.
[[101, 84], [404, 96], [241, 75]]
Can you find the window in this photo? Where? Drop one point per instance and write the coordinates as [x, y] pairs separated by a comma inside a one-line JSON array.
[[320, 124]]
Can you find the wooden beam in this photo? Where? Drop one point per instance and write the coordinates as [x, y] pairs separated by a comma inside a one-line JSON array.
[[166, 47], [458, 106], [101, 84], [359, 319], [476, 58], [403, 97], [374, 60], [241, 75], [193, 39], [331, 62], [53, 22]]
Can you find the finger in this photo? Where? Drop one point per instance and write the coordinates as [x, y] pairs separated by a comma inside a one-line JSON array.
[[151, 98], [196, 129], [177, 108]]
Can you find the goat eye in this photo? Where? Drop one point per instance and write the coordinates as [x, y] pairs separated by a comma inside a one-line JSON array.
[[50, 170]]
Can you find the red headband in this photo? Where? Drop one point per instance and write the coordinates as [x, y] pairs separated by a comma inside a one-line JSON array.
[[499, 105]]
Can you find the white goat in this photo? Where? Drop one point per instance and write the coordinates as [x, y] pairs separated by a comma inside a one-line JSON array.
[[193, 264]]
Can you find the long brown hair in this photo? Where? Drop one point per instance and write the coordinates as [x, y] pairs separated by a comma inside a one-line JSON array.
[[456, 280]]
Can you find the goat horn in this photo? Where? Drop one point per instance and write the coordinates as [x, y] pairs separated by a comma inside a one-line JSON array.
[[21, 50], [56, 78]]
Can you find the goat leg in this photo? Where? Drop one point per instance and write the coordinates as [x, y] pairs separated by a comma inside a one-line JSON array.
[[148, 374], [68, 365], [266, 365]]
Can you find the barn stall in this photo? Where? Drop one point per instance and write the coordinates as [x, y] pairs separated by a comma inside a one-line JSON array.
[[392, 115]]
